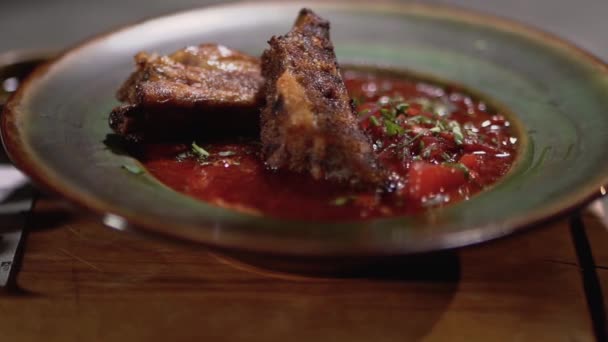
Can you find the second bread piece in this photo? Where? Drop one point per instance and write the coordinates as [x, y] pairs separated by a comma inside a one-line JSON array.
[[308, 124]]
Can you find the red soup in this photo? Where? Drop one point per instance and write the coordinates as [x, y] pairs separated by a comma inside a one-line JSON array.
[[439, 146]]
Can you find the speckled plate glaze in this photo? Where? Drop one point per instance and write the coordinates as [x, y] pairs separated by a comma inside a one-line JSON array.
[[54, 128]]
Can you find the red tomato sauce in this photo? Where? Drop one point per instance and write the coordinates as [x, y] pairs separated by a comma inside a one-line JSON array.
[[438, 145]]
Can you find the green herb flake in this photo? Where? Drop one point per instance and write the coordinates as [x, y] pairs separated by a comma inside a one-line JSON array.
[[199, 152], [363, 112], [402, 107], [426, 154], [414, 138], [457, 131], [393, 128], [374, 120], [461, 167], [420, 119], [441, 125], [342, 200], [387, 114], [226, 153], [183, 156], [136, 170]]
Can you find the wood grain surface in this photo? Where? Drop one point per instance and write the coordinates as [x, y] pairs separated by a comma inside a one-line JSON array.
[[82, 282]]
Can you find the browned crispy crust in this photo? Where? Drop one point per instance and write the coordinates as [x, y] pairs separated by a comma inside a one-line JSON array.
[[206, 89], [308, 124]]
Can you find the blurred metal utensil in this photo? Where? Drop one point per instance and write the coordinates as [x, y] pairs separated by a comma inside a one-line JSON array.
[[16, 196]]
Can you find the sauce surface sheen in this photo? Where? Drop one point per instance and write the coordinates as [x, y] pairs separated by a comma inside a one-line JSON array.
[[438, 145]]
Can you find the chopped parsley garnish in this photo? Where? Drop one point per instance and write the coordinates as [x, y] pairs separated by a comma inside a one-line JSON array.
[[426, 154], [412, 139], [226, 153], [402, 107], [374, 121], [183, 156], [457, 131], [387, 114], [461, 167], [420, 119], [363, 112], [136, 170], [392, 128], [199, 152], [342, 200]]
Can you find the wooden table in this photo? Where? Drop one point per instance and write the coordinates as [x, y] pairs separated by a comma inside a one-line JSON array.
[[80, 281]]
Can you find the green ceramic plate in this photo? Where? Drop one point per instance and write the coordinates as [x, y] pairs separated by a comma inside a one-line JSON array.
[[55, 126]]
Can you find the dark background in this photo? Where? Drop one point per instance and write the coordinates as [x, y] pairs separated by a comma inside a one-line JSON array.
[[27, 24]]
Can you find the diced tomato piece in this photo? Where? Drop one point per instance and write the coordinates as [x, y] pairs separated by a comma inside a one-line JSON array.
[[413, 110], [429, 140], [428, 179], [470, 160]]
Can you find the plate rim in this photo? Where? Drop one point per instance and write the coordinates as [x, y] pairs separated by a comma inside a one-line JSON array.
[[119, 219]]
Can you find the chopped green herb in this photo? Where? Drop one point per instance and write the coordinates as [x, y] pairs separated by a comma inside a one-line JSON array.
[[427, 152], [446, 156], [441, 125], [200, 152], [414, 138], [420, 119], [461, 167], [374, 121], [133, 169], [364, 112], [183, 156], [464, 169], [435, 129], [402, 107], [393, 128], [342, 200], [457, 131], [226, 153], [386, 113]]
